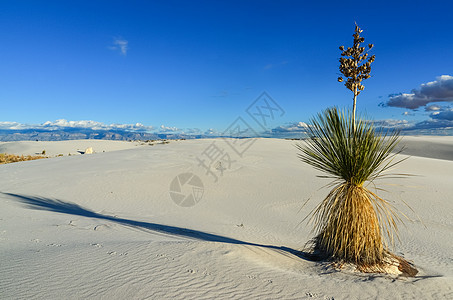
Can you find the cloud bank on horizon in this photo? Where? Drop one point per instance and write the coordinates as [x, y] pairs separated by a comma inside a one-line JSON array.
[[435, 126], [83, 125], [62, 124], [441, 123], [440, 90], [434, 97]]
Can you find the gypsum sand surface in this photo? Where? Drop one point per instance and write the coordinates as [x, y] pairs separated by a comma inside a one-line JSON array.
[[105, 226]]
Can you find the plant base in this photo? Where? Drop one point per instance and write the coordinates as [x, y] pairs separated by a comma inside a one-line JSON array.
[[391, 265]]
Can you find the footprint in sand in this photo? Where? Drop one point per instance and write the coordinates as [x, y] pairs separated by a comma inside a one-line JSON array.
[[164, 256], [311, 295], [101, 227], [116, 253]]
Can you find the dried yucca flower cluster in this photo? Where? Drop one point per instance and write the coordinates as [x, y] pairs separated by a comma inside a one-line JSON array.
[[355, 65]]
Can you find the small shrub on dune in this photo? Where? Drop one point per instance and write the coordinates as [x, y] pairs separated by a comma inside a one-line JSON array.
[[11, 158], [352, 223]]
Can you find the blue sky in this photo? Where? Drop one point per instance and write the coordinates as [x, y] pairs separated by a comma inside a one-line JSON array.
[[200, 64]]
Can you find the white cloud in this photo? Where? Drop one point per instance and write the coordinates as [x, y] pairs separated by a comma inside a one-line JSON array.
[[441, 123], [293, 127], [83, 124], [290, 130], [121, 45], [440, 90], [433, 126], [445, 114], [433, 107], [163, 128], [211, 132], [192, 131], [394, 124], [12, 125]]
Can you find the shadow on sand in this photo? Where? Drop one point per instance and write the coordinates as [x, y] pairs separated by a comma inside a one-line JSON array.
[[59, 206]]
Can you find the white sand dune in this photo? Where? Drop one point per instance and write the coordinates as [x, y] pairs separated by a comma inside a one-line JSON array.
[[63, 147], [439, 147], [104, 226]]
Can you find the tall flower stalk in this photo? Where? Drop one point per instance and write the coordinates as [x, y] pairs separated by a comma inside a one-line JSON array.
[[355, 66]]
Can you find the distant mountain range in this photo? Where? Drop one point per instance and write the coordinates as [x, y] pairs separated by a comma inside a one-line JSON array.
[[78, 133], [8, 135]]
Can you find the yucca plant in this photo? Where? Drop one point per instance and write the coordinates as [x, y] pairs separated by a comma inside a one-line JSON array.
[[352, 223]]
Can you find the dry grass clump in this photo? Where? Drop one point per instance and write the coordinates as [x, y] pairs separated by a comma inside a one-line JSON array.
[[12, 158]]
